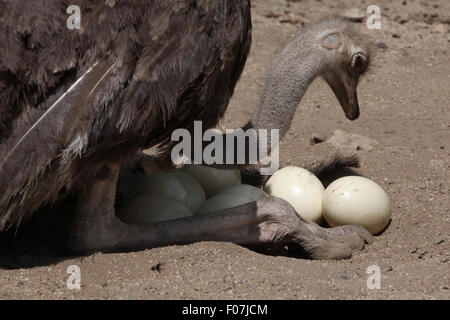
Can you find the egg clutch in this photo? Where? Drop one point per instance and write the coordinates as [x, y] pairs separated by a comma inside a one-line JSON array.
[[180, 193], [196, 190]]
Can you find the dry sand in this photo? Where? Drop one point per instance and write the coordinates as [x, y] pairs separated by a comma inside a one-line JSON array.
[[405, 105]]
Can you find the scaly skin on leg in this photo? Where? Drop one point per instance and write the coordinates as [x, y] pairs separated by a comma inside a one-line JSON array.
[[270, 222], [95, 225]]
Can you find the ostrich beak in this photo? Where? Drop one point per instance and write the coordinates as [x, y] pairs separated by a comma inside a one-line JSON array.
[[344, 87]]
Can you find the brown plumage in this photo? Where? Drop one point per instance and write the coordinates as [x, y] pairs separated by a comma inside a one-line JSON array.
[[146, 66], [76, 104]]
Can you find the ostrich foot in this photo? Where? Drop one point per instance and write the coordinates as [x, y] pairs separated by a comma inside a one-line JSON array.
[[267, 223]]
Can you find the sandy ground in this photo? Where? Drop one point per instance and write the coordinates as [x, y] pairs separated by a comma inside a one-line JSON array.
[[404, 103]]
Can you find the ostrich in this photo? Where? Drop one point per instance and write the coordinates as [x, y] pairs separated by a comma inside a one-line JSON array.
[[76, 105]]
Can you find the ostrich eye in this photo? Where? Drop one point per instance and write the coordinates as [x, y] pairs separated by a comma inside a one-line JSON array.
[[359, 63]]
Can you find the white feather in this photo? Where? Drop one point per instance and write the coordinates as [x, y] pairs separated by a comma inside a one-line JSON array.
[[47, 112], [101, 79]]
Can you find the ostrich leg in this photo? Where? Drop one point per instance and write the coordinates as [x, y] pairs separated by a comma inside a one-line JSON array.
[[95, 225], [270, 222]]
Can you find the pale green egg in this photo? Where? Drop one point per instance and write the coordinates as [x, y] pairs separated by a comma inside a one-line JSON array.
[[153, 208], [222, 201], [195, 193], [213, 180], [162, 184], [245, 190]]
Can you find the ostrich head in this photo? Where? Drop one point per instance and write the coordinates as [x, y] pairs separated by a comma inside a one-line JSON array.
[[331, 49], [346, 57]]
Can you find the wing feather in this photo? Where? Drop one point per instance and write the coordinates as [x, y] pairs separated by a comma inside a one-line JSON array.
[[135, 69]]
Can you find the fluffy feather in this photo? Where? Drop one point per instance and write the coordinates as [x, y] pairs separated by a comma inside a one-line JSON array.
[[161, 65]]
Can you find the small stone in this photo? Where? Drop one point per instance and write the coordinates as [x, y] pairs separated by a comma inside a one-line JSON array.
[[388, 269], [290, 21], [315, 139], [271, 14], [350, 141], [438, 241], [382, 45], [344, 276], [354, 14], [438, 163], [402, 19], [422, 254], [439, 28]]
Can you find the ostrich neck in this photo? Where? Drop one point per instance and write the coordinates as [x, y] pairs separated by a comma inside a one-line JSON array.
[[288, 79]]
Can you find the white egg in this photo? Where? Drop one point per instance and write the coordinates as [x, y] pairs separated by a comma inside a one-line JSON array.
[[153, 208], [245, 190], [356, 200], [300, 188], [213, 180], [222, 201], [162, 184], [195, 194]]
